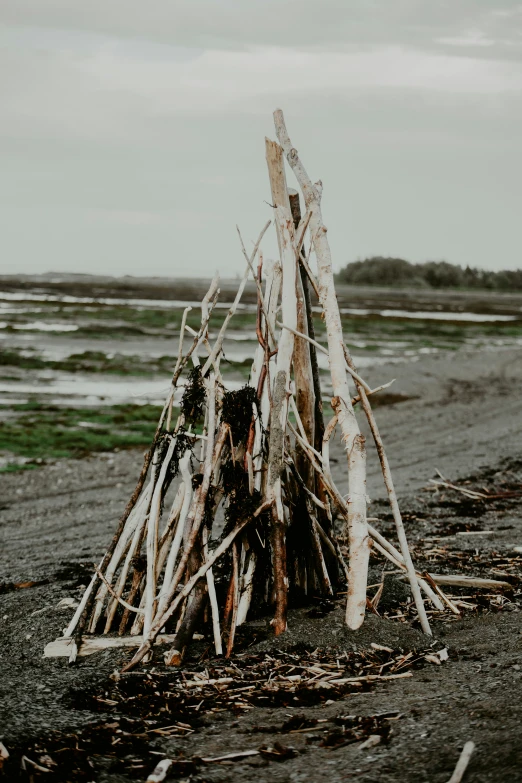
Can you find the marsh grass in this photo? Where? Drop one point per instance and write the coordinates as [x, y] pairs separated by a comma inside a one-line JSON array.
[[89, 362], [136, 319], [40, 432], [100, 362], [119, 322]]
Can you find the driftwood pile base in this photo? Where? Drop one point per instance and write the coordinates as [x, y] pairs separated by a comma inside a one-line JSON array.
[[262, 454]]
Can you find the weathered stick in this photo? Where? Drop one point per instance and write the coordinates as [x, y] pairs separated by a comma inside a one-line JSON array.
[[247, 589], [357, 398], [194, 609], [114, 593], [279, 413], [61, 647], [462, 763], [468, 581], [176, 543], [138, 573], [304, 382], [399, 563], [216, 629], [152, 541], [392, 497], [295, 206], [356, 525], [272, 290], [322, 571], [160, 771], [235, 600]]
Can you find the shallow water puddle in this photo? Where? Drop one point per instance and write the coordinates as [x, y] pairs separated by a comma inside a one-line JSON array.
[[83, 390]]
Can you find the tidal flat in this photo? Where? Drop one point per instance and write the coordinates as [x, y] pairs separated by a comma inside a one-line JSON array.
[[79, 400], [76, 344]]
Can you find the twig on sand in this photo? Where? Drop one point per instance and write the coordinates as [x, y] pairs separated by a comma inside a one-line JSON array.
[[160, 771], [462, 763], [242, 754]]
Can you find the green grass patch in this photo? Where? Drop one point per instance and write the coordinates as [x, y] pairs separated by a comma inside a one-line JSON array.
[[15, 467], [95, 321], [91, 362], [49, 432], [112, 364]]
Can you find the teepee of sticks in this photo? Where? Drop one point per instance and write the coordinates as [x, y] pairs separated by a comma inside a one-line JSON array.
[[261, 455]]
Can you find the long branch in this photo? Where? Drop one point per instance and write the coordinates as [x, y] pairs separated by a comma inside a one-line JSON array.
[[352, 439]]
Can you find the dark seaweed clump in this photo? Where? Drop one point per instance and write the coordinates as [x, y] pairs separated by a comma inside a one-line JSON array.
[[237, 411], [241, 505], [193, 401]]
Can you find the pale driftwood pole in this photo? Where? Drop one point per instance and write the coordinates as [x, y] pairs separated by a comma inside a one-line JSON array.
[[303, 376], [152, 542], [357, 528], [392, 497], [186, 475], [279, 413]]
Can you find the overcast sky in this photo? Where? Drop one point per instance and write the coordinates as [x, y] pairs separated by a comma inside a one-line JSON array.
[[132, 132]]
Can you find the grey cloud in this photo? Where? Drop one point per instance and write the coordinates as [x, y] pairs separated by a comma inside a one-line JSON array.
[[123, 138], [294, 23]]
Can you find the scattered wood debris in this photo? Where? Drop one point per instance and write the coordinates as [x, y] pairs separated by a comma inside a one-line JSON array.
[[149, 707], [296, 677], [7, 587]]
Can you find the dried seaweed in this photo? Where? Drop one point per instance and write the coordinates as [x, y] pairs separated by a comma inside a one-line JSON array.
[[354, 728], [192, 404], [240, 503], [237, 411]]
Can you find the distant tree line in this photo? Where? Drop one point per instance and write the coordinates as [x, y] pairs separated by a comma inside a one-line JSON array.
[[379, 270]]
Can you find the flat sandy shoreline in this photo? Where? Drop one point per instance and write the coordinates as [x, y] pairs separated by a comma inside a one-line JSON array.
[[463, 416]]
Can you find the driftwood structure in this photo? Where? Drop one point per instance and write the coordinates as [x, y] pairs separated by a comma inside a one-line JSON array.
[[261, 455]]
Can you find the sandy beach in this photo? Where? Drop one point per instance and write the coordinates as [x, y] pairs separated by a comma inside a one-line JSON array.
[[463, 416], [83, 358]]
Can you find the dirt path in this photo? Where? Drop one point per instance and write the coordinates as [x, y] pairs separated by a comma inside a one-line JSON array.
[[466, 418]]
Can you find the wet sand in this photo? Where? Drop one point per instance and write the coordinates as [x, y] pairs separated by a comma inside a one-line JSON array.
[[463, 416]]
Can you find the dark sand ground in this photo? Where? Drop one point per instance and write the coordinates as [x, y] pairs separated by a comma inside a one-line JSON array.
[[464, 418]]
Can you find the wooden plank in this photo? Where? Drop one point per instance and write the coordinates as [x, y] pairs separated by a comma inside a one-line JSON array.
[[61, 647]]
